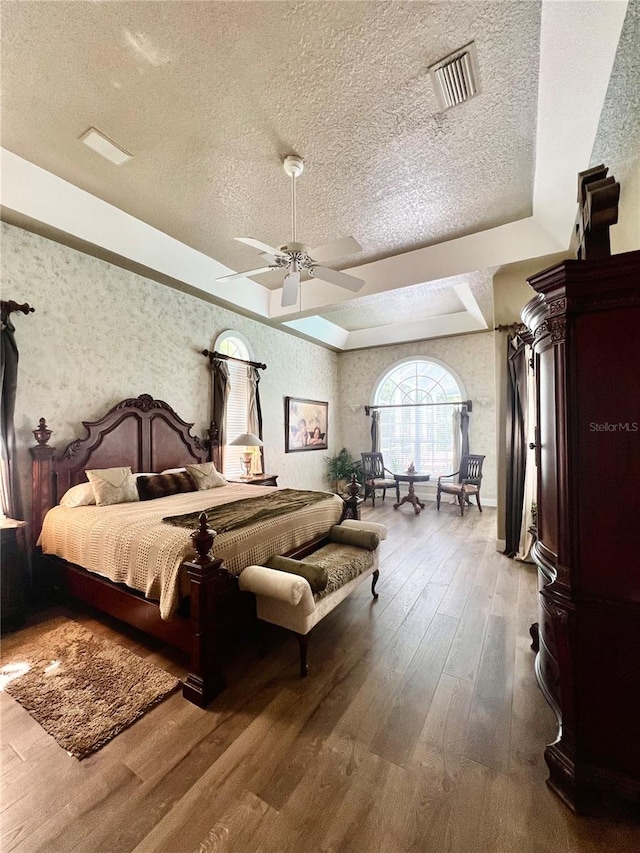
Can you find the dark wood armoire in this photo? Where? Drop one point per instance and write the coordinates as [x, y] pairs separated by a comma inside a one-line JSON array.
[[585, 323]]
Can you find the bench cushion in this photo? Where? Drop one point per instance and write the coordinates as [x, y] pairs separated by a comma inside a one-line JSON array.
[[343, 563], [359, 538], [316, 576]]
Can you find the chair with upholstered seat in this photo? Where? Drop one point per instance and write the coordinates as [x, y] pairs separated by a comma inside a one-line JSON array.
[[374, 476], [468, 482]]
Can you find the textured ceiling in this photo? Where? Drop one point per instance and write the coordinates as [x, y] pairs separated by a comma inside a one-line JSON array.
[[209, 97], [618, 137], [434, 299]]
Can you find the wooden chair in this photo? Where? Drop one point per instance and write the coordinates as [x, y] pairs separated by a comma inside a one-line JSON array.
[[374, 476], [468, 483]]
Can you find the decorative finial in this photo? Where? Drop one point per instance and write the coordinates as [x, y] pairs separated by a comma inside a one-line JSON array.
[[202, 539], [353, 489], [43, 433]]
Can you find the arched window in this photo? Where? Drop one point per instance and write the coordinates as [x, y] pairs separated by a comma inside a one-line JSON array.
[[236, 345], [424, 435]]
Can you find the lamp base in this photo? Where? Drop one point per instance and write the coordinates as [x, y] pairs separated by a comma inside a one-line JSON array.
[[245, 461]]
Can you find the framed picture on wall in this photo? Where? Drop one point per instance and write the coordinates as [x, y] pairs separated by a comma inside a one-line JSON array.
[[305, 424]]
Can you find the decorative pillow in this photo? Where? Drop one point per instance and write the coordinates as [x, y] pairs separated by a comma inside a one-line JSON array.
[[205, 476], [160, 485], [113, 486], [358, 538], [80, 495], [317, 576]]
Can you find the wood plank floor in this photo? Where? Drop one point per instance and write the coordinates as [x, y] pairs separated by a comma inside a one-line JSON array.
[[420, 728]]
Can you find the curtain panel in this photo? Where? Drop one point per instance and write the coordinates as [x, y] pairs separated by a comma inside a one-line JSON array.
[[464, 431], [220, 388], [254, 415], [516, 442], [375, 431], [9, 482]]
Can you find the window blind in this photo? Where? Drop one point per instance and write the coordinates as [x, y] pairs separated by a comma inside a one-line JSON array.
[[237, 410]]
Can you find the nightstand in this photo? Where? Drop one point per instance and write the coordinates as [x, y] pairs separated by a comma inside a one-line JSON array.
[[257, 480], [13, 574]]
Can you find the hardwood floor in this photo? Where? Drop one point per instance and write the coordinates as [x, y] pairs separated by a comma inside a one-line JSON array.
[[420, 728]]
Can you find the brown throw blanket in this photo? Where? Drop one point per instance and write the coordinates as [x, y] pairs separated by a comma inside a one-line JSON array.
[[249, 510]]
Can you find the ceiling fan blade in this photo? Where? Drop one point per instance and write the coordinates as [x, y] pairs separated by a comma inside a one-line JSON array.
[[261, 247], [337, 249], [350, 282], [290, 289], [225, 278]]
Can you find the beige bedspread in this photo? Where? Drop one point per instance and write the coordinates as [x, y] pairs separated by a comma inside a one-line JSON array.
[[129, 543]]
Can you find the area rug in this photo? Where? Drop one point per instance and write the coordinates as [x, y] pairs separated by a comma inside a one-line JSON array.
[[82, 688]]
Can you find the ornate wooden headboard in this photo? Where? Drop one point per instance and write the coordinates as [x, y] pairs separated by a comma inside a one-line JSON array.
[[141, 432]]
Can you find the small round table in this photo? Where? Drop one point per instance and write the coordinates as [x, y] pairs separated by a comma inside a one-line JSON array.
[[411, 496]]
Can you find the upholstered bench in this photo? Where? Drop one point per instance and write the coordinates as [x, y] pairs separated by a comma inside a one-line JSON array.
[[287, 599]]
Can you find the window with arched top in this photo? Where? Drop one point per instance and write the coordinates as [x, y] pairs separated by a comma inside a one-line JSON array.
[[235, 344], [417, 422]]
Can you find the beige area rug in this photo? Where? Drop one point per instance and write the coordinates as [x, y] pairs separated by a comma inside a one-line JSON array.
[[83, 689]]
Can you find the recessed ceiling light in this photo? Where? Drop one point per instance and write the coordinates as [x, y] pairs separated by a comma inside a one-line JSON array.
[[455, 78], [108, 149]]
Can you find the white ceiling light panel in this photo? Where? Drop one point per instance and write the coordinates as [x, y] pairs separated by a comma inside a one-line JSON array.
[[105, 147]]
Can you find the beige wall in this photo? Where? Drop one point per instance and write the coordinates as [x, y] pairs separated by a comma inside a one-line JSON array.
[[625, 236], [100, 333], [470, 357]]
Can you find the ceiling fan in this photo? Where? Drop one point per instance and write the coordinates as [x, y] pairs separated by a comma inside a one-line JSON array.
[[296, 257]]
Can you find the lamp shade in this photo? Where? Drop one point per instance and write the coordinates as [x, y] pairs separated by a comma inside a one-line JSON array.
[[247, 439]]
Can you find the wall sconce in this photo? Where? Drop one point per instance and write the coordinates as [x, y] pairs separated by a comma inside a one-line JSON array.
[[249, 441]]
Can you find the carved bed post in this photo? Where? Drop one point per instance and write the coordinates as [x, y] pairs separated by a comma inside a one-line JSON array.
[[42, 487], [206, 576], [353, 501]]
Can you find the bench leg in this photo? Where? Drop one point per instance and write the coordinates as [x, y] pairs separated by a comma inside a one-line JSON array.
[[375, 577], [303, 643]]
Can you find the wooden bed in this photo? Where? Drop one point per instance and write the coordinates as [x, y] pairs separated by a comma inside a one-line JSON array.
[[149, 436]]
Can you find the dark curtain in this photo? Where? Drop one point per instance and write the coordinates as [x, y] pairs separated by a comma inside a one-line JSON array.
[[254, 420], [464, 431], [375, 431], [516, 441], [219, 395], [9, 482]]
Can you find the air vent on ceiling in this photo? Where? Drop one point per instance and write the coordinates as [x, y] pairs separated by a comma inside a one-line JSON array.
[[455, 78]]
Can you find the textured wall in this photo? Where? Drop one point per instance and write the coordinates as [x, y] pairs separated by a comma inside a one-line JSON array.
[[471, 357], [100, 334], [617, 142]]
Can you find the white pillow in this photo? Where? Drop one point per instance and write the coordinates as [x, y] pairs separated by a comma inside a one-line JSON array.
[[113, 486], [80, 495], [206, 476], [173, 470]]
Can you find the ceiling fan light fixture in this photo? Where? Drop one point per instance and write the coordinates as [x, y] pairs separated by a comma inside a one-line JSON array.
[[455, 78], [296, 257]]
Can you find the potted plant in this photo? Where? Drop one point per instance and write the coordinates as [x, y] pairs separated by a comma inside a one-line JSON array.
[[339, 469]]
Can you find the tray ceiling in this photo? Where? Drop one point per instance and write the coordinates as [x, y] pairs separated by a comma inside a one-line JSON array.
[[208, 97]]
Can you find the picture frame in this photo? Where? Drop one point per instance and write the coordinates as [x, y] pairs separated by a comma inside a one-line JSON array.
[[306, 425]]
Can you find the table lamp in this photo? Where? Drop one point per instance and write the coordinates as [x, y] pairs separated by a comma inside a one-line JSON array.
[[249, 441]]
